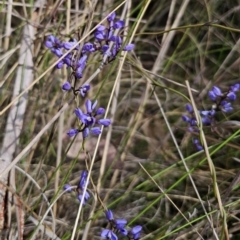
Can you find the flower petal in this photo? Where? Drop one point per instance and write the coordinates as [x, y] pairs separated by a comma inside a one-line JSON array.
[[66, 86], [100, 111], [105, 122], [111, 17], [72, 132], [129, 47], [79, 113], [119, 24], [67, 188], [96, 130], [109, 215], [136, 229], [88, 105], [85, 132]]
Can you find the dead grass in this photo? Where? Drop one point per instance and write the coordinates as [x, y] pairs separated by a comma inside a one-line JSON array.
[[144, 167]]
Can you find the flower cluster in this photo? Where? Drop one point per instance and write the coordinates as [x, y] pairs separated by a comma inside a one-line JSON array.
[[222, 102], [206, 117], [104, 35], [71, 60], [119, 226], [108, 42], [80, 188], [89, 119]]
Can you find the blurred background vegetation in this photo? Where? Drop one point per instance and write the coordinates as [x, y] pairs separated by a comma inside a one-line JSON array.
[[175, 41]]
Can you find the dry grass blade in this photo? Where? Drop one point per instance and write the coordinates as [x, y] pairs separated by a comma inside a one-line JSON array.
[[15, 118], [169, 199], [14, 124], [109, 106]]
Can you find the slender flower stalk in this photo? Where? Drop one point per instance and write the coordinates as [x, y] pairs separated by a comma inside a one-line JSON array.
[[80, 188]]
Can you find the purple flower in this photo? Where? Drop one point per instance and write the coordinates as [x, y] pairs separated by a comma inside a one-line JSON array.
[[49, 44], [78, 113], [212, 95], [100, 111], [89, 106], [198, 146], [119, 24], [207, 116], [135, 232], [223, 104], [235, 87], [86, 197], [110, 32], [189, 108], [70, 44], [111, 17], [80, 189], [57, 51], [106, 51], [96, 130], [89, 47], [72, 132], [66, 86], [117, 224], [115, 50], [191, 129], [193, 122], [51, 38], [84, 89], [105, 48], [120, 225], [68, 60], [52, 42], [226, 106], [123, 231], [82, 60], [113, 38], [118, 41], [67, 187], [59, 65], [81, 186], [101, 28], [217, 91], [206, 121], [81, 64], [109, 215], [106, 33], [78, 73], [104, 122], [208, 113], [85, 132], [231, 96], [100, 35], [83, 179], [88, 119], [109, 234], [129, 47], [186, 118]]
